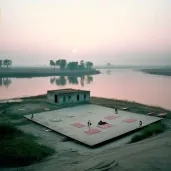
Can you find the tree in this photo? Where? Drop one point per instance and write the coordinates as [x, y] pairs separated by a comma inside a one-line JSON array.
[[52, 64], [58, 63], [109, 64], [72, 65], [62, 63], [89, 65], [7, 63], [10, 63], [82, 64], [1, 63]]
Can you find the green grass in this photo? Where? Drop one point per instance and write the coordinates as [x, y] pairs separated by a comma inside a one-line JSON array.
[[133, 106], [42, 96], [149, 131], [11, 111], [18, 148]]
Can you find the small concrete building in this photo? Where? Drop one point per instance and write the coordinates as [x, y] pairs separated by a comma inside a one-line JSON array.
[[68, 96]]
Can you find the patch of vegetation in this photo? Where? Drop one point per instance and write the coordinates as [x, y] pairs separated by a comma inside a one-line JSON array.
[[149, 131], [42, 96], [11, 110], [132, 106], [18, 148]]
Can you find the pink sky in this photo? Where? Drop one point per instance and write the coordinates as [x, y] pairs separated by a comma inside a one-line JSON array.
[[99, 30]]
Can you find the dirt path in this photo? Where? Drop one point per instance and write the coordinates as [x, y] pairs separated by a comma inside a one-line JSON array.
[[151, 154]]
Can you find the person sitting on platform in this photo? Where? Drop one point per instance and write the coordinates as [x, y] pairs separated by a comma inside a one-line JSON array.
[[102, 123]]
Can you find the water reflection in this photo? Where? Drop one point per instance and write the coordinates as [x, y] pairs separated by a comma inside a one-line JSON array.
[[5, 82], [52, 80], [82, 79], [61, 81], [89, 79], [108, 72], [64, 80], [72, 80]]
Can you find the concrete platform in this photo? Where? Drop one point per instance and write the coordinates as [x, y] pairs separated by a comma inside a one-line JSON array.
[[72, 122]]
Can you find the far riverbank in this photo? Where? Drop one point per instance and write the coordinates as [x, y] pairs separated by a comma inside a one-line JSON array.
[[43, 72], [159, 71]]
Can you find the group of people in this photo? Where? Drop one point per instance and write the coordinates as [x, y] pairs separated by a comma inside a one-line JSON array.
[[103, 123], [99, 123]]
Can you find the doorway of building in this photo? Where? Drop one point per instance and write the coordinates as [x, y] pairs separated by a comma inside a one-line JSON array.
[[56, 98], [78, 97]]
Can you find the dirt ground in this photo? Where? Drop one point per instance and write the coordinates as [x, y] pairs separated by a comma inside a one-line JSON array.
[[152, 154]]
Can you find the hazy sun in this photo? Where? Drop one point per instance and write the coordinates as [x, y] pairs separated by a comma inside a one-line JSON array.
[[74, 51]]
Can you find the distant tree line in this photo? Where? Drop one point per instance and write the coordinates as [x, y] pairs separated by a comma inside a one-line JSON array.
[[74, 65], [5, 63]]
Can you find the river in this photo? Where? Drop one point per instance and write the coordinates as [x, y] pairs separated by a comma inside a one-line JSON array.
[[124, 84]]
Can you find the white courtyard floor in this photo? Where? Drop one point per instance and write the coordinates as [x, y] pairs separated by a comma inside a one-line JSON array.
[[62, 121]]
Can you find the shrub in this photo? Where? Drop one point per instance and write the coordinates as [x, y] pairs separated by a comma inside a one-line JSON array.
[[18, 148], [148, 131], [7, 131], [22, 151]]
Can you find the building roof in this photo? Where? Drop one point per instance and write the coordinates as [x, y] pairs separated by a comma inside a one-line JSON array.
[[69, 90]]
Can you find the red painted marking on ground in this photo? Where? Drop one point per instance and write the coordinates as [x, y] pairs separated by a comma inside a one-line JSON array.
[[78, 125], [129, 120], [105, 126], [111, 117], [92, 131]]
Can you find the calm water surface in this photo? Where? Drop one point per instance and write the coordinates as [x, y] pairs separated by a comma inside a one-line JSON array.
[[121, 84]]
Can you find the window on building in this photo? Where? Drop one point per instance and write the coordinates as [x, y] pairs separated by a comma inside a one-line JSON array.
[[78, 97], [84, 96], [69, 97]]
